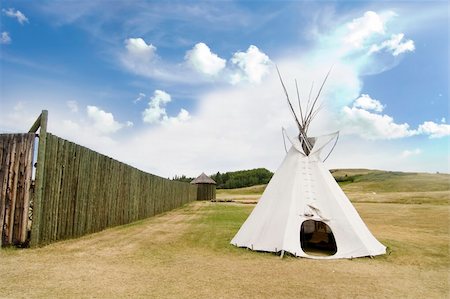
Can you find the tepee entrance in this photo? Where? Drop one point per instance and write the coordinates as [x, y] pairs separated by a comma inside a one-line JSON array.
[[317, 238], [303, 210]]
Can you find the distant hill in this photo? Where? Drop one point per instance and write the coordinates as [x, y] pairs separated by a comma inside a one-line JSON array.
[[364, 180], [390, 181], [372, 186]]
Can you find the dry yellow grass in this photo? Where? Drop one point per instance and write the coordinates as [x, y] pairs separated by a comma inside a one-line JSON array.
[[186, 254], [247, 194]]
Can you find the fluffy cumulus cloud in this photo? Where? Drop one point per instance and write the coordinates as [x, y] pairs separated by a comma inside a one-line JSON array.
[[103, 122], [5, 39], [396, 45], [251, 65], [140, 58], [234, 127], [183, 115], [156, 111], [17, 14], [362, 28], [201, 59], [139, 50], [92, 127], [364, 118], [373, 126], [434, 130], [367, 103]]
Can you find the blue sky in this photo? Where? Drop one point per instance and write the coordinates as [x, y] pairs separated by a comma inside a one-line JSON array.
[[182, 87]]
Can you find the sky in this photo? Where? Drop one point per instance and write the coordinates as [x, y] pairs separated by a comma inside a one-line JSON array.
[[184, 87]]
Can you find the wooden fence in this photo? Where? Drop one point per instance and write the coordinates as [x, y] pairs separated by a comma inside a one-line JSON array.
[[85, 192], [16, 159], [79, 191]]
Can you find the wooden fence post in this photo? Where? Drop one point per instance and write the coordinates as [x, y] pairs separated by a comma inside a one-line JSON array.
[[41, 123]]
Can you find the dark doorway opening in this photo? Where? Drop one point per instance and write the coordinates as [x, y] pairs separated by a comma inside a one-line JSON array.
[[316, 238]]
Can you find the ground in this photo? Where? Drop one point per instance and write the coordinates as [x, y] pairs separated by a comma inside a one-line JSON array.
[[186, 253]]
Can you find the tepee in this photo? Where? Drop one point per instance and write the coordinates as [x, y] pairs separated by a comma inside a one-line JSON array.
[[303, 210]]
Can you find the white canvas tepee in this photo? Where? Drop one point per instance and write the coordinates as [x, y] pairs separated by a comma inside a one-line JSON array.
[[303, 210]]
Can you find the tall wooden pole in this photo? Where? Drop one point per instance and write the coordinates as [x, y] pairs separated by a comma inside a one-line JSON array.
[[41, 123]]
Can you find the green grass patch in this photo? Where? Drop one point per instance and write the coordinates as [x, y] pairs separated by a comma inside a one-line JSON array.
[[253, 190], [217, 226]]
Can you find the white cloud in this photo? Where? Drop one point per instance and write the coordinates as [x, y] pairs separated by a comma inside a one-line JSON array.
[[141, 59], [183, 115], [443, 120], [138, 50], [156, 112], [12, 13], [434, 130], [233, 127], [96, 131], [5, 39], [362, 28], [396, 45], [237, 127], [408, 153], [252, 65], [103, 121], [367, 103], [249, 66], [201, 59], [73, 106], [357, 120]]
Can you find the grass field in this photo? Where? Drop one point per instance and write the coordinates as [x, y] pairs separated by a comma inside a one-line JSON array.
[[186, 254]]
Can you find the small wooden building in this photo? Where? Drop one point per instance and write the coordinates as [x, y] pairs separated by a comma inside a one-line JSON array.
[[206, 187]]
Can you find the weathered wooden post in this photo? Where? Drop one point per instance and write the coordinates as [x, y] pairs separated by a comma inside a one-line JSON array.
[[41, 123]]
